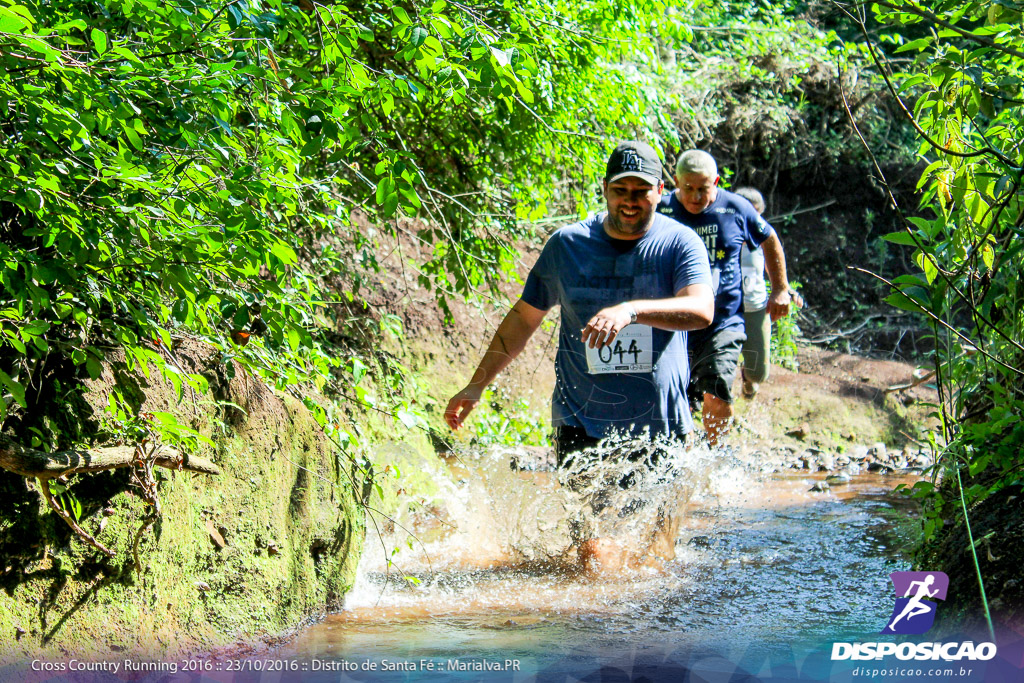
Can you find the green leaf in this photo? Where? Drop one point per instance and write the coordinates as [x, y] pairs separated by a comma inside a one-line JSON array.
[[93, 367], [132, 136], [359, 369], [418, 36], [909, 299], [11, 22], [409, 419], [918, 45], [401, 14], [285, 253], [99, 40], [901, 237], [16, 389], [36, 328], [500, 56]]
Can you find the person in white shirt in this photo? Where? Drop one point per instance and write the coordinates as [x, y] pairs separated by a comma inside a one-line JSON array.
[[756, 351]]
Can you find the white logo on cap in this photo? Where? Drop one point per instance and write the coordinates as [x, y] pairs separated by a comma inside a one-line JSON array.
[[631, 161]]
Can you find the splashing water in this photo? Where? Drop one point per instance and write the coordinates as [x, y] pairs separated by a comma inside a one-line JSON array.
[[493, 526], [487, 563]]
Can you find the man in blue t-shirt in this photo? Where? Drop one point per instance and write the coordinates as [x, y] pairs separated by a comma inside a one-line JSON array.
[[630, 284], [724, 222]]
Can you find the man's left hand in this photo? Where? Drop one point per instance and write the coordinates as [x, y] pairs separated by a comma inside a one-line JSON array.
[[602, 329]]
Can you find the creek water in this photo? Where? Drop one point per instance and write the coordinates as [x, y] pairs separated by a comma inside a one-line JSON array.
[[481, 571]]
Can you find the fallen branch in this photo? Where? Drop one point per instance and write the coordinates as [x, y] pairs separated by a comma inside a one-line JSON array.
[[828, 338], [913, 383], [29, 462]]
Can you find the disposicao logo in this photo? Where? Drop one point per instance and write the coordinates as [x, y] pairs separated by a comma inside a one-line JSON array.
[[913, 614]]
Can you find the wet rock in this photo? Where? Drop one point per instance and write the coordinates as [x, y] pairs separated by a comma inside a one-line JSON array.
[[877, 450], [828, 463], [800, 431], [837, 479], [879, 468], [842, 460], [859, 452], [700, 542], [438, 442], [819, 487], [532, 459], [921, 460], [854, 469]]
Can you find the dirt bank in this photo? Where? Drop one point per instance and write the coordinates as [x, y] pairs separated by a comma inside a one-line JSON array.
[[248, 553]]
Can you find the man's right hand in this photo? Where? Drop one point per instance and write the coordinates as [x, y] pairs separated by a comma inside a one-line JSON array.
[[461, 405]]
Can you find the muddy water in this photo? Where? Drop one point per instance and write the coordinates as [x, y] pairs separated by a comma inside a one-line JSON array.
[[483, 570]]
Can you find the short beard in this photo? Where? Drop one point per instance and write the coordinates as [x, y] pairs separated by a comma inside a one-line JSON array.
[[616, 225]]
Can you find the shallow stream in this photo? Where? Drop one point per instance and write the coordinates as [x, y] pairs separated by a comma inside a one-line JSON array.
[[482, 574]]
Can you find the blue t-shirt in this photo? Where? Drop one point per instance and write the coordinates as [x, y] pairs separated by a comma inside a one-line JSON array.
[[585, 270], [723, 227]]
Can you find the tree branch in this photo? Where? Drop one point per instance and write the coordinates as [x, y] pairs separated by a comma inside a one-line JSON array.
[[29, 462], [44, 488]]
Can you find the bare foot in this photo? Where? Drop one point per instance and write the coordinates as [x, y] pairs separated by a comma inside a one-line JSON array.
[[663, 542], [601, 556]]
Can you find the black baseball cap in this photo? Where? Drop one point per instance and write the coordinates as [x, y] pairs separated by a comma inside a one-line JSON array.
[[636, 159]]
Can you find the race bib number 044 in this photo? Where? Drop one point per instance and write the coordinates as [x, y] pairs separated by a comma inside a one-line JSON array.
[[632, 351]]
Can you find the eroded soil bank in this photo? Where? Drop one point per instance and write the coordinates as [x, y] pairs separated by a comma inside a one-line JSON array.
[[245, 555]]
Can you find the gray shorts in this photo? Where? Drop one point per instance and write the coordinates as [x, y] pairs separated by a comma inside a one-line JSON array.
[[713, 365]]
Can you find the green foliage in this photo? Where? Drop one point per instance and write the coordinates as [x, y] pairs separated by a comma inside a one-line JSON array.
[[65, 498], [784, 337], [507, 423], [966, 80], [188, 171], [763, 85], [967, 242]]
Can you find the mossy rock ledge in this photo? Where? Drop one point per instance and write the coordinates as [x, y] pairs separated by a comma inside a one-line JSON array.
[[242, 556]]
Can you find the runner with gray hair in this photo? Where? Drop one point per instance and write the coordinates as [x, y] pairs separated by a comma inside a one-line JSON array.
[[724, 221]]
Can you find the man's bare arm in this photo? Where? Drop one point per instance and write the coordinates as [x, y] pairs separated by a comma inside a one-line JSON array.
[[775, 264], [508, 342], [692, 308]]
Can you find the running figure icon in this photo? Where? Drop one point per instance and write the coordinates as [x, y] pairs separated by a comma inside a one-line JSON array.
[[914, 609]]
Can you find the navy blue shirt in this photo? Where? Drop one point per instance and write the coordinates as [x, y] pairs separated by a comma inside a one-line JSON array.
[[584, 270], [723, 227]]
